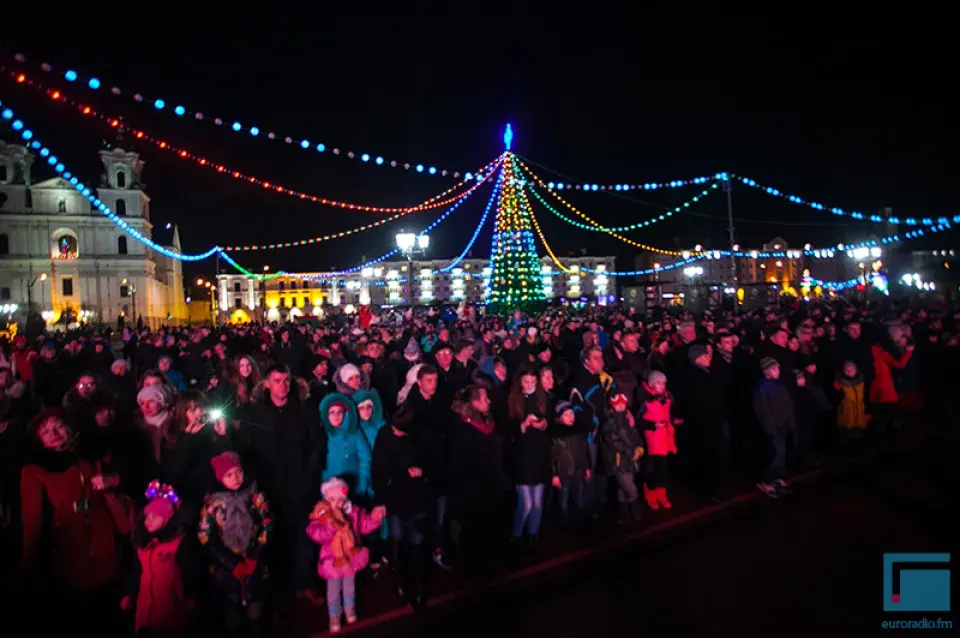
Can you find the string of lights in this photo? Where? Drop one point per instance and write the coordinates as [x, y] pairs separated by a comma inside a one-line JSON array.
[[384, 257], [875, 218], [526, 170], [642, 224], [543, 240], [352, 231], [437, 201], [161, 105], [31, 140], [494, 196]]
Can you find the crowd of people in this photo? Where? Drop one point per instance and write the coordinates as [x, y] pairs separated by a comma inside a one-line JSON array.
[[156, 480]]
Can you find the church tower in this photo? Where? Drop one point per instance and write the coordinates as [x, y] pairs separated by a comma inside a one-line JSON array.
[[120, 186]]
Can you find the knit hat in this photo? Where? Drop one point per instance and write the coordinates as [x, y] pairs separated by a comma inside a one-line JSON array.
[[654, 376], [160, 507], [403, 419], [348, 370], [696, 351], [767, 363], [618, 400], [562, 406], [152, 393], [334, 487], [223, 463], [412, 348]]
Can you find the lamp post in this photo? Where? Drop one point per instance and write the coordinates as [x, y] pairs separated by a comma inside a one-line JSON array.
[[41, 277], [411, 245], [213, 298], [692, 272], [263, 294]]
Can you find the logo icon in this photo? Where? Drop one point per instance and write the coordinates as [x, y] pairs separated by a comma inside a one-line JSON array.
[[916, 582]]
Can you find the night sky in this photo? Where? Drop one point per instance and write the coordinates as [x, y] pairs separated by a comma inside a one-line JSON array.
[[857, 116]]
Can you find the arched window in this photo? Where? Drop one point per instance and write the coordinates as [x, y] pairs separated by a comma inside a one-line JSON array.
[[61, 205], [121, 179], [3, 173], [122, 245], [122, 207], [67, 247], [4, 244]]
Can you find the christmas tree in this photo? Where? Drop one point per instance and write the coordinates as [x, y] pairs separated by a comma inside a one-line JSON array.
[[514, 263]]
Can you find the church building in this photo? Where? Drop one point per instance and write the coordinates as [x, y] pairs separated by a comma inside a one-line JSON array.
[[63, 258]]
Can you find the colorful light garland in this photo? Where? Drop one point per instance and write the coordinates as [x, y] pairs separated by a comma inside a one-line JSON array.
[[384, 257], [494, 196], [526, 170], [162, 105], [116, 123], [649, 222], [358, 229], [34, 143]]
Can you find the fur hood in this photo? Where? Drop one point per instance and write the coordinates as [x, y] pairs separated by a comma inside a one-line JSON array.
[[302, 387], [342, 387]]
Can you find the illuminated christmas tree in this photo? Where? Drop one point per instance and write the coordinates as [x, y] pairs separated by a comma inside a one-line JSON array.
[[514, 263]]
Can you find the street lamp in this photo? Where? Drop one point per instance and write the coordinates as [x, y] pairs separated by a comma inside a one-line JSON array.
[[213, 297], [41, 277], [411, 245]]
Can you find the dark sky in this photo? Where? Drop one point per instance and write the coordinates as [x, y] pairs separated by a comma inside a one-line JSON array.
[[854, 115]]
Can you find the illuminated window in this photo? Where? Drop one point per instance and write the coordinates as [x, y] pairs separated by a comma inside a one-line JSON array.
[[67, 247]]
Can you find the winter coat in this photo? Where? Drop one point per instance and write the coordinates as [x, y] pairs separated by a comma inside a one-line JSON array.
[[66, 523], [654, 417], [284, 449], [338, 535], [234, 529], [368, 431], [478, 480], [157, 578], [569, 456], [774, 408], [851, 413], [883, 390], [393, 455], [620, 444], [527, 452], [348, 454]]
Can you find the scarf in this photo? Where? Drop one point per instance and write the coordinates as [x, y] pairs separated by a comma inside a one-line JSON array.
[[485, 427], [343, 544]]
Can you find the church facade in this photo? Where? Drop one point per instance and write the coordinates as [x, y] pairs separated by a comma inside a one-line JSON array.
[[63, 258]]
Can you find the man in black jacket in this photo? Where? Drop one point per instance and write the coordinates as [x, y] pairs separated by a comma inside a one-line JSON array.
[[283, 444]]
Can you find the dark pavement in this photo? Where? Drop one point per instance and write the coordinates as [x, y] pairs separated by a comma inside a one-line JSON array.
[[804, 565]]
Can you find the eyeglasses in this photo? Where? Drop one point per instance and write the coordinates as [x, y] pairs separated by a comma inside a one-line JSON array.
[[84, 386]]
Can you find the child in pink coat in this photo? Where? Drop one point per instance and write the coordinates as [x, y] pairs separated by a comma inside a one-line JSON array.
[[337, 525], [653, 415]]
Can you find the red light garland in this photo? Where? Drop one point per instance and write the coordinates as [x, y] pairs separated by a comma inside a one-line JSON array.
[[434, 202]]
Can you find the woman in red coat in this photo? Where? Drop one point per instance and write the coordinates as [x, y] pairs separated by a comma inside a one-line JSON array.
[[70, 543], [883, 392]]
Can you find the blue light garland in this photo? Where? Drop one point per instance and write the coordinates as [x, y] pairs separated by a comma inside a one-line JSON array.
[[646, 186], [61, 168], [181, 110], [878, 219]]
